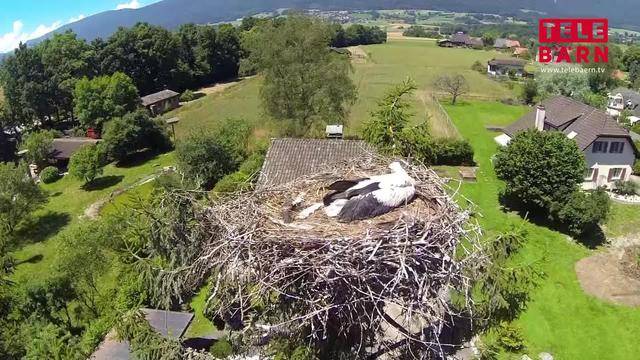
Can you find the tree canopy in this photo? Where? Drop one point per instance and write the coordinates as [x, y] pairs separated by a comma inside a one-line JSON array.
[[19, 196]]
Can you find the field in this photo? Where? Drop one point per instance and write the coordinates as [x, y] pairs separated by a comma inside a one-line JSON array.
[[385, 65], [560, 318]]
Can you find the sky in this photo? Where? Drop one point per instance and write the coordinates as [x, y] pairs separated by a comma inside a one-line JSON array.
[[28, 19]]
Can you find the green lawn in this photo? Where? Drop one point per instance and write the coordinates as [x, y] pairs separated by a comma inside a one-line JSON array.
[[623, 220], [560, 318], [388, 64], [67, 203]]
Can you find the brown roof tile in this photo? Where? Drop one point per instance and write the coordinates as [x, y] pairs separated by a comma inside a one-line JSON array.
[[63, 148], [288, 159], [159, 96]]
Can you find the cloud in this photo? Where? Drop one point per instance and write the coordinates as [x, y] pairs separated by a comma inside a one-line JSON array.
[[10, 40], [77, 18], [133, 4]]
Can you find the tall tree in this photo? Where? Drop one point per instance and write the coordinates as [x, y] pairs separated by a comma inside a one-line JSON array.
[[19, 196], [105, 97], [455, 85], [304, 81], [226, 57]]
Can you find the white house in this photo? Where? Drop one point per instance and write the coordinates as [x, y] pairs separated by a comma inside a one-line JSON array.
[[608, 148], [621, 99]]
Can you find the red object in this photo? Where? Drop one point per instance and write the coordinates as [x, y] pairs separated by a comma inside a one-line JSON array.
[[573, 30], [91, 133]]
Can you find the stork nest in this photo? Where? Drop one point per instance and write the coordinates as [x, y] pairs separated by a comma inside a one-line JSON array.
[[385, 280]]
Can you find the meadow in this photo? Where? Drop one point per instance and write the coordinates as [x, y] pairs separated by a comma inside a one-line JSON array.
[[560, 318]]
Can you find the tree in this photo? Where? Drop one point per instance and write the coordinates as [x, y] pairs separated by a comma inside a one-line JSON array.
[[582, 212], [455, 85], [385, 130], [570, 84], [19, 196], [132, 132], [39, 146], [529, 91], [87, 163], [304, 81], [226, 57], [540, 168], [102, 98], [631, 56], [203, 160]]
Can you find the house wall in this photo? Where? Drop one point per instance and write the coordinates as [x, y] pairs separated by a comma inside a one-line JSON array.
[[604, 162]]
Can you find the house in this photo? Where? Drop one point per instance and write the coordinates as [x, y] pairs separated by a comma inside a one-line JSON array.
[[502, 67], [64, 148], [621, 99], [288, 159], [161, 102], [608, 148], [520, 52], [169, 324], [501, 43], [461, 40]]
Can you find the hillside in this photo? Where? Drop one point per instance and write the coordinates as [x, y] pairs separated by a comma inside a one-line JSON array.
[[172, 13]]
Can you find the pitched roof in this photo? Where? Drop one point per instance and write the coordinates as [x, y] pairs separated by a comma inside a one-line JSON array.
[[507, 62], [459, 38], [159, 96], [63, 148], [572, 116], [288, 159]]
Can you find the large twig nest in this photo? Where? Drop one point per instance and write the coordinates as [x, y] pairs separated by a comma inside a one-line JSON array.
[[383, 280]]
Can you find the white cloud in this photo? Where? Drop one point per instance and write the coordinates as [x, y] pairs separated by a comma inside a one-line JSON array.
[[77, 18], [10, 40], [133, 4]]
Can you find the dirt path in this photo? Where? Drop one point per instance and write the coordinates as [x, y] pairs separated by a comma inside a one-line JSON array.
[[602, 275], [358, 55], [219, 87]]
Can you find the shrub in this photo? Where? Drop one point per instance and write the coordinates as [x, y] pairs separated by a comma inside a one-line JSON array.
[[418, 144], [133, 132], [234, 182], [39, 146], [187, 96], [477, 66], [540, 167], [510, 337], [625, 187], [233, 136], [252, 165], [49, 174], [221, 349], [87, 163], [203, 160], [529, 91], [582, 211], [636, 168], [452, 152]]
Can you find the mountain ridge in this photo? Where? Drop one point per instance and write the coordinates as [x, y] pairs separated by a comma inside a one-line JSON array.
[[172, 13]]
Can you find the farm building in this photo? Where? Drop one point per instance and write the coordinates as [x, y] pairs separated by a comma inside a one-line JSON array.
[[501, 67], [288, 159], [64, 148], [161, 102], [608, 148], [461, 40], [506, 43]]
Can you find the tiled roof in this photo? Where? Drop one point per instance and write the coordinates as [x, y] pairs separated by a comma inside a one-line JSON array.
[[63, 148], [562, 112], [159, 96], [288, 159]]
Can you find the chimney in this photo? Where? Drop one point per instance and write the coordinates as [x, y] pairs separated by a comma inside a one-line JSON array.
[[334, 131], [540, 116]]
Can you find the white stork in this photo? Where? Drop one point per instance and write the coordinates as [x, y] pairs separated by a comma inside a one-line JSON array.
[[369, 197]]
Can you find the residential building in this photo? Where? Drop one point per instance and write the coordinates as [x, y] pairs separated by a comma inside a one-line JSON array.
[[461, 40], [289, 159], [502, 67], [501, 43], [161, 102], [520, 52], [64, 148], [621, 99], [608, 148]]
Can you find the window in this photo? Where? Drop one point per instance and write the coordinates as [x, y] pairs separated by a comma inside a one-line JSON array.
[[600, 146], [588, 174], [616, 174], [617, 147]]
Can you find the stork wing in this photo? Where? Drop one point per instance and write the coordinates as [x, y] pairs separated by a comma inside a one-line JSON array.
[[363, 207], [344, 185], [350, 193]]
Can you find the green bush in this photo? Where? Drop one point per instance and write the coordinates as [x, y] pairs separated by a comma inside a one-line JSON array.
[[49, 174], [625, 187], [453, 152], [510, 337], [234, 182], [582, 211], [233, 136], [636, 168], [133, 132], [187, 96], [221, 349], [87, 163], [203, 160], [252, 165], [39, 145], [477, 66]]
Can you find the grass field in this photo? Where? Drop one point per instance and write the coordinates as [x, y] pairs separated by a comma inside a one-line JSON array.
[[387, 65], [67, 203], [560, 318]]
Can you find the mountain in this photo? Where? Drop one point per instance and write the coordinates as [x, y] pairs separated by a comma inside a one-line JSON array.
[[173, 13]]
